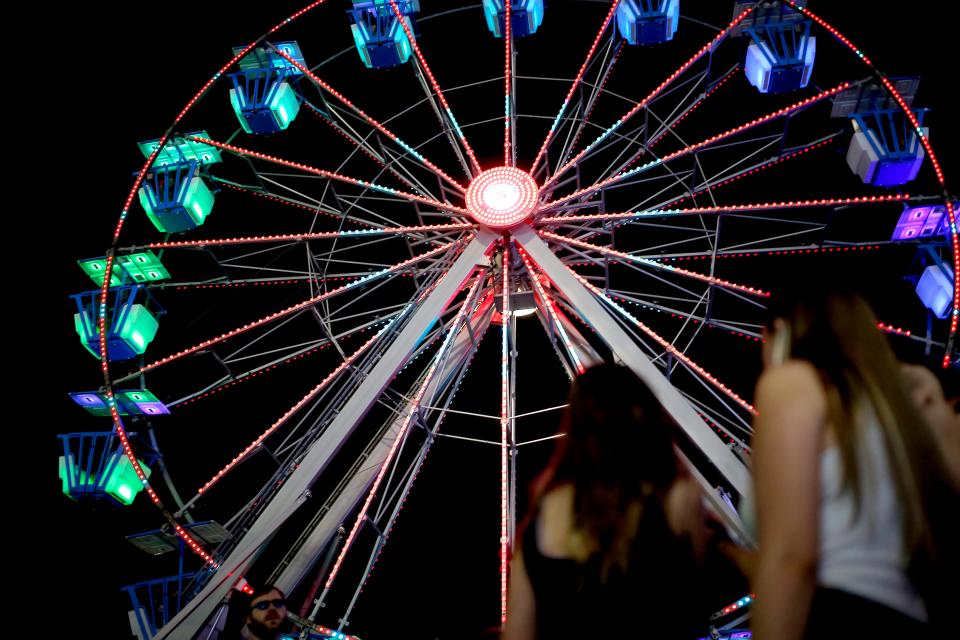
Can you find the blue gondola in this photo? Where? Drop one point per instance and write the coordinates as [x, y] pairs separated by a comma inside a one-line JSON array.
[[132, 326], [645, 22], [263, 97], [781, 54], [525, 17], [885, 150], [379, 35], [935, 289]]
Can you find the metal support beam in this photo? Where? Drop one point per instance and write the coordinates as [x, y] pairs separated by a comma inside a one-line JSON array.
[[627, 351], [295, 491], [359, 481]]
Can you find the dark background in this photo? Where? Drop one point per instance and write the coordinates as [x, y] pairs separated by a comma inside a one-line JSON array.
[[118, 76]]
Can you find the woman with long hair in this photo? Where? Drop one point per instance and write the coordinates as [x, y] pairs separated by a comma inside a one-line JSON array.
[[856, 514], [615, 535]]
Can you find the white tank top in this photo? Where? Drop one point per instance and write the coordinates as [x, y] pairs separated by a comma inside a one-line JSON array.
[[860, 553]]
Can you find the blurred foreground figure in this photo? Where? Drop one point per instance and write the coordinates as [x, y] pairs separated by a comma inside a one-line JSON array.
[[615, 538], [856, 514], [926, 392]]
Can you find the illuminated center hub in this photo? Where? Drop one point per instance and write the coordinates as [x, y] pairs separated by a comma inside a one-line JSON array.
[[502, 197]]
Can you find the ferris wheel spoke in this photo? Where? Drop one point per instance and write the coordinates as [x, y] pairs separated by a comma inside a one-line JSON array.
[[509, 123], [669, 347], [315, 79], [436, 87], [728, 176], [401, 434], [607, 326], [651, 302], [731, 208], [406, 264], [726, 284], [580, 125], [293, 237], [664, 125], [573, 87], [330, 175], [802, 104], [667, 126], [554, 324], [379, 153], [434, 406], [347, 362], [709, 47], [234, 378], [301, 201]]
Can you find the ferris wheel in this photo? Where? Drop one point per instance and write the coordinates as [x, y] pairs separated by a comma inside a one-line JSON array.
[[326, 263]]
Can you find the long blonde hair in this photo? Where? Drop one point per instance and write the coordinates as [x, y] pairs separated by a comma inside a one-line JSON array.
[[838, 334]]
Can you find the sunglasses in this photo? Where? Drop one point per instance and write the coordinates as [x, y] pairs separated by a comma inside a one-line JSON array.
[[263, 605]]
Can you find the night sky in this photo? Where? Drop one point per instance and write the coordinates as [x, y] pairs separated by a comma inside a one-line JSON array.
[[120, 76]]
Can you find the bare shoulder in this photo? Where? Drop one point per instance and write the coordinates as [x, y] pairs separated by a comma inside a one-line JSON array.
[[795, 383]]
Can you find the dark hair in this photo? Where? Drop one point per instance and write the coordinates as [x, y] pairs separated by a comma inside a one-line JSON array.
[[617, 448]]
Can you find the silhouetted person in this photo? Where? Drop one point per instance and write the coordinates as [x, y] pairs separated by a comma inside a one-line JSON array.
[[614, 540]]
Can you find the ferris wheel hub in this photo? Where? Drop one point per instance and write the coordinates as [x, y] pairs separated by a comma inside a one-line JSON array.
[[502, 197]]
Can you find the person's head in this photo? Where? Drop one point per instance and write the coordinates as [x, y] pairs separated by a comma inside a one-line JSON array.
[[837, 333], [616, 433], [617, 448], [266, 611]]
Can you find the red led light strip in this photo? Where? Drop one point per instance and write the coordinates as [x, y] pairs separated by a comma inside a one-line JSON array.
[[889, 328], [401, 433], [508, 50], [336, 127], [576, 82], [504, 426], [653, 263], [681, 316], [104, 291], [224, 285], [323, 235], [349, 360], [416, 473], [778, 252], [700, 145], [668, 346], [330, 174], [551, 308], [297, 307], [643, 103], [603, 85], [249, 376], [756, 169], [686, 113], [433, 81], [951, 214], [732, 208], [371, 121], [722, 432], [313, 210]]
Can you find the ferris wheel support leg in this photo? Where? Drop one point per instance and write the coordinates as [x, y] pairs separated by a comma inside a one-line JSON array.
[[295, 490], [323, 528], [626, 350]]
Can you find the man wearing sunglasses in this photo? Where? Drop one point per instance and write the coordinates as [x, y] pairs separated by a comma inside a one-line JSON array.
[[266, 615]]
